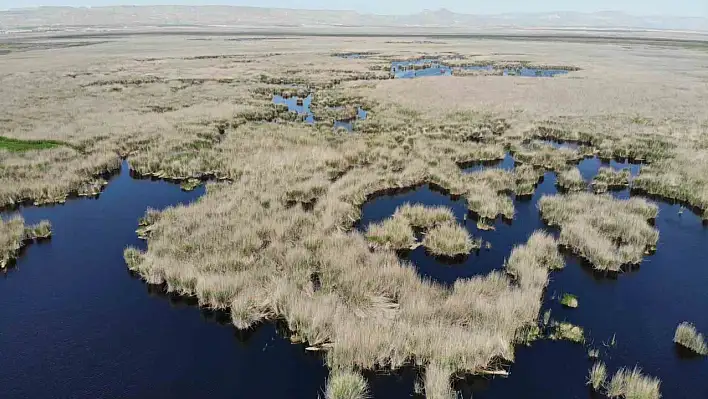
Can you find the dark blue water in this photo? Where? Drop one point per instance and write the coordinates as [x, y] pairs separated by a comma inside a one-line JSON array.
[[640, 308], [292, 103]]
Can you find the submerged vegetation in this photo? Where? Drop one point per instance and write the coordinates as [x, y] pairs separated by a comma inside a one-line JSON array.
[[14, 235], [608, 232], [688, 337]]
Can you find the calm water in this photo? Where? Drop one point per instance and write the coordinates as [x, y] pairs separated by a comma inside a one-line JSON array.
[[640, 308], [76, 324]]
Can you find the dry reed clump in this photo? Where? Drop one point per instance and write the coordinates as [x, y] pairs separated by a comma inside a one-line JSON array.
[[688, 337], [633, 385], [424, 217], [545, 155], [610, 179], [346, 385], [571, 180], [394, 233], [597, 376], [14, 235], [683, 176], [450, 240], [608, 232]]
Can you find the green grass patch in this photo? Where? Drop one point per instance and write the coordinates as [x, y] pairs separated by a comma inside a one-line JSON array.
[[15, 145]]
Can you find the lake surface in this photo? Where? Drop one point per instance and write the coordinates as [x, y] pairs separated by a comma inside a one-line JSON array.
[[76, 324]]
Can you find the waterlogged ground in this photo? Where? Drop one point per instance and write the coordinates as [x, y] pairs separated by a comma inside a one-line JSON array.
[[301, 106], [76, 324], [640, 309], [431, 67]]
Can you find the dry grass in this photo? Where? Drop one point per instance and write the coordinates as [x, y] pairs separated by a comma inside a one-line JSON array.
[[571, 180], [610, 179], [597, 376], [394, 233], [346, 385], [14, 235], [609, 233], [450, 240], [688, 337], [633, 385], [425, 217], [683, 176]]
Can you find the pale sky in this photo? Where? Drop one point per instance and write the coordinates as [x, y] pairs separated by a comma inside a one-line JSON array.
[[693, 8]]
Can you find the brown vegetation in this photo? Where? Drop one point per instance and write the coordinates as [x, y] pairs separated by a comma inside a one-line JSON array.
[[14, 235], [609, 233]]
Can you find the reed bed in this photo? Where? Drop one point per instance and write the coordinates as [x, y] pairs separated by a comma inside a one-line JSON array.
[[14, 235], [633, 384], [597, 376], [609, 233], [610, 179], [346, 385], [450, 240], [571, 180], [688, 337], [681, 177]]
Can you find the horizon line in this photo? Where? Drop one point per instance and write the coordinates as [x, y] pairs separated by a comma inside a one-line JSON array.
[[351, 10]]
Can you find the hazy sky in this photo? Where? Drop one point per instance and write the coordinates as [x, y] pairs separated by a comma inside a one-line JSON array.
[[637, 7]]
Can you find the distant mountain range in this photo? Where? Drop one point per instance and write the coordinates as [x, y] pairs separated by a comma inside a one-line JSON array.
[[42, 18]]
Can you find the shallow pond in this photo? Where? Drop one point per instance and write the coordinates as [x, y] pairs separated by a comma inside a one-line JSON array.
[[430, 67], [641, 308], [361, 115], [297, 104], [301, 106]]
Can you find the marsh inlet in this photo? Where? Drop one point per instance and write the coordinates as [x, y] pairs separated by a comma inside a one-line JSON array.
[[301, 105]]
